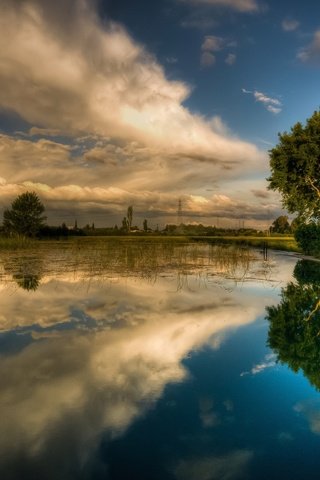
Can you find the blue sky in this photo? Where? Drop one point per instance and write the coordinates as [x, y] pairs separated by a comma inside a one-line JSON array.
[[116, 103]]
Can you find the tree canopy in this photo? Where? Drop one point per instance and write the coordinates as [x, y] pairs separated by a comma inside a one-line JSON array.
[[281, 225], [294, 331], [25, 217], [295, 171]]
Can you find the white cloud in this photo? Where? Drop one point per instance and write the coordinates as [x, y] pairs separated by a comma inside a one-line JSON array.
[[268, 362], [95, 79], [289, 24], [311, 53], [273, 105], [273, 109], [70, 76], [238, 5]]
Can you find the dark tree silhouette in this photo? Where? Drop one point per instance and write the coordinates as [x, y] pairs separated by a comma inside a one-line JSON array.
[[25, 217], [130, 216]]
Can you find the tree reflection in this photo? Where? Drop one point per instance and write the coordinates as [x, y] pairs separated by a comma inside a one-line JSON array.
[[27, 281], [26, 271], [294, 332]]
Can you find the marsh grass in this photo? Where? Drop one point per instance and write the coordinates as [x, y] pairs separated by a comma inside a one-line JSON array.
[[284, 243], [17, 243], [105, 257]]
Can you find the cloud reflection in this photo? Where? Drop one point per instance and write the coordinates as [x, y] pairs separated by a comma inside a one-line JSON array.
[[100, 356]]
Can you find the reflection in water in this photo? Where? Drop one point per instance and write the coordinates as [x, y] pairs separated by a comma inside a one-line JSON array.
[[294, 332], [124, 257], [26, 269], [95, 347]]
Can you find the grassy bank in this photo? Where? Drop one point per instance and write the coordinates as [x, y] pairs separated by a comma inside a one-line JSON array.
[[17, 243], [286, 243]]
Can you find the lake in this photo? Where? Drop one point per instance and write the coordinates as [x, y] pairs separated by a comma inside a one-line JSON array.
[[156, 359]]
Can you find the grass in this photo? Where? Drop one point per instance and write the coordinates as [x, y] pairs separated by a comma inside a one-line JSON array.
[[285, 243], [17, 243]]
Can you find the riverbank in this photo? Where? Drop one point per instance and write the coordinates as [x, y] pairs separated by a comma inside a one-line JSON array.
[[284, 243]]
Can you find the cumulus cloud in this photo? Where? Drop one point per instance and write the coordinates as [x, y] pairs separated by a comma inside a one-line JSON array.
[[271, 104], [72, 177], [96, 79], [103, 116], [311, 53], [289, 24], [238, 5]]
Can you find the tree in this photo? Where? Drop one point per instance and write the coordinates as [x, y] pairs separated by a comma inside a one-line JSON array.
[[294, 331], [294, 164], [308, 238], [281, 225], [124, 224], [145, 225], [25, 216], [130, 216]]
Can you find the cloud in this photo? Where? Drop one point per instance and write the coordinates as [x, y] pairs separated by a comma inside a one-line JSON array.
[[228, 467], [259, 193], [271, 104], [95, 79], [212, 44], [230, 59], [207, 59], [311, 410], [269, 362], [238, 5], [208, 417], [311, 52], [103, 117], [289, 24], [114, 364]]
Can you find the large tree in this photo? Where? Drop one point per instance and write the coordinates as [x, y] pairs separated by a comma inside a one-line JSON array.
[[295, 168], [25, 217]]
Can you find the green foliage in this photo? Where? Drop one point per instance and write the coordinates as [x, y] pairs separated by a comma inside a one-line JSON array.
[[294, 164], [281, 225], [25, 216], [308, 238], [294, 332]]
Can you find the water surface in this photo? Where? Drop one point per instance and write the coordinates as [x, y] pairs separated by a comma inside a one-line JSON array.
[[158, 360]]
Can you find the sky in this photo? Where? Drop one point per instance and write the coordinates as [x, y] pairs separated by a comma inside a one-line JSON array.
[[111, 103]]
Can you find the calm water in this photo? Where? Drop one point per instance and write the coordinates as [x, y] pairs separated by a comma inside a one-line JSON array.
[[136, 361]]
